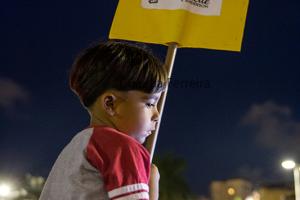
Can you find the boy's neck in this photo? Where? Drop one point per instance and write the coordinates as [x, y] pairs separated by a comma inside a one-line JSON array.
[[96, 121]]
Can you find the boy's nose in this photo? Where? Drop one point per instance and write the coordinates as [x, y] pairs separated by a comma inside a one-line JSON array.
[[155, 115]]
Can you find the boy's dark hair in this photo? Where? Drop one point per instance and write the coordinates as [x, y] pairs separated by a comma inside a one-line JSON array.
[[115, 65]]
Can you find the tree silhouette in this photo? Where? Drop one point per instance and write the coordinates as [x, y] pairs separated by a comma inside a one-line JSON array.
[[172, 185]]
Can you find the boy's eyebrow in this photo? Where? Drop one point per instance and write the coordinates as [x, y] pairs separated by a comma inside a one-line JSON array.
[[147, 97]]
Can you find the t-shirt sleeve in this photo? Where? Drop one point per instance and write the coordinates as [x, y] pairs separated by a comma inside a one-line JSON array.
[[124, 165]]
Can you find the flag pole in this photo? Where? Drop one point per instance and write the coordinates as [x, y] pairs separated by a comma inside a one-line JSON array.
[[169, 63]]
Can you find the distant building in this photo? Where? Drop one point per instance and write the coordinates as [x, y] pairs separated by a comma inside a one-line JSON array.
[[201, 198], [276, 192], [28, 188], [232, 189]]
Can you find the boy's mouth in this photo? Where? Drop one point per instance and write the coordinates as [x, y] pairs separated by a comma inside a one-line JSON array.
[[149, 133]]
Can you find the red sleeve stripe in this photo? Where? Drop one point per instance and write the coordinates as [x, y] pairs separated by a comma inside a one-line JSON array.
[[128, 189], [136, 196]]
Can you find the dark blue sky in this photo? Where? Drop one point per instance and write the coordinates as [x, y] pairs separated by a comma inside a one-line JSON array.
[[242, 125]]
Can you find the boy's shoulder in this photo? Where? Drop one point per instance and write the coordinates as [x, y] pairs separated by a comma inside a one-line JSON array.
[[110, 138], [123, 162]]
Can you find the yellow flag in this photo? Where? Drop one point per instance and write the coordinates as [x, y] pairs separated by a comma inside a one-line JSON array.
[[211, 24]]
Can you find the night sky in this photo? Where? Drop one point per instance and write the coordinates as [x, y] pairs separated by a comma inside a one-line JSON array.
[[241, 119]]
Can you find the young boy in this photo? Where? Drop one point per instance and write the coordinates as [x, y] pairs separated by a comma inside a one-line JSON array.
[[119, 84]]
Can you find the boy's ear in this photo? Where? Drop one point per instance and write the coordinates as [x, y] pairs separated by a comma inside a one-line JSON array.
[[108, 104]]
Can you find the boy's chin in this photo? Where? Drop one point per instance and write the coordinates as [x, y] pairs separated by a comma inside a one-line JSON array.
[[141, 140]]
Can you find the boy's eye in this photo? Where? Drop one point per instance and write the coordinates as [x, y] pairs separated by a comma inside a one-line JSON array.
[[150, 105]]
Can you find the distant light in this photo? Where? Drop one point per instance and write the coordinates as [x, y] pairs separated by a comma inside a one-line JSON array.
[[254, 196], [249, 198], [288, 164], [231, 191], [23, 192], [5, 190]]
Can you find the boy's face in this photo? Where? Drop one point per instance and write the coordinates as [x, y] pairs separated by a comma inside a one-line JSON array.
[[136, 114]]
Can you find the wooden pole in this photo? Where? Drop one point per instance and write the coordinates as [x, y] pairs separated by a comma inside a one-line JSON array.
[[169, 62]]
